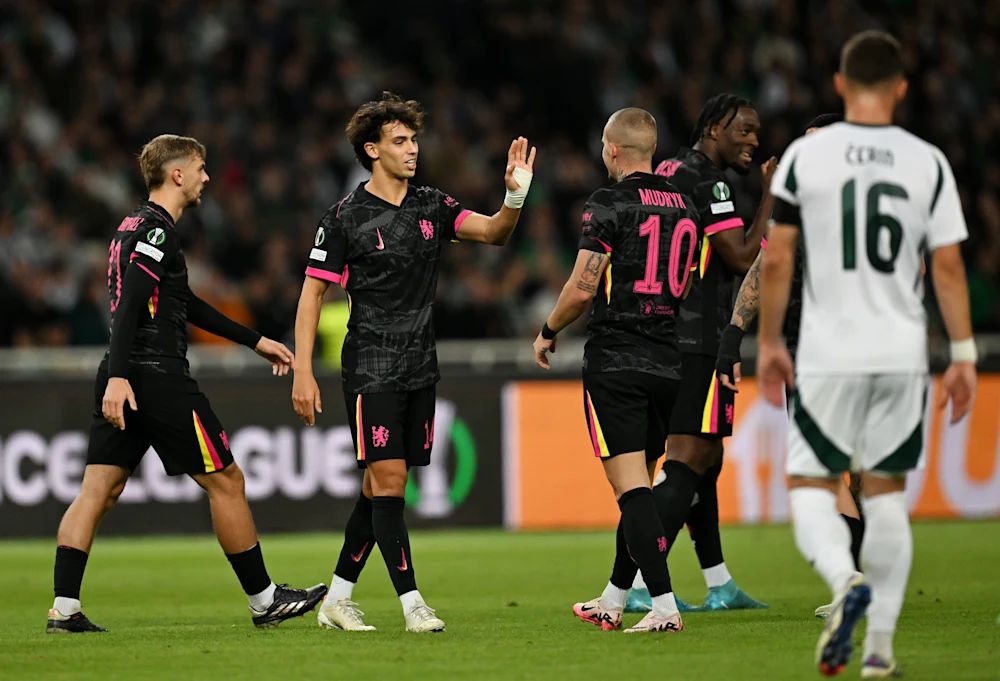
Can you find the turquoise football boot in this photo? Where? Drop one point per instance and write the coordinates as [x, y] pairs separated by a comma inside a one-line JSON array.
[[729, 597], [639, 600]]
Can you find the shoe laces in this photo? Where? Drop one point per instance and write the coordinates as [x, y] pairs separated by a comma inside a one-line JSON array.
[[351, 609], [422, 612]]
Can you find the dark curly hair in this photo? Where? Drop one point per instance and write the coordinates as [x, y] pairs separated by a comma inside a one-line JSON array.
[[719, 109], [366, 123]]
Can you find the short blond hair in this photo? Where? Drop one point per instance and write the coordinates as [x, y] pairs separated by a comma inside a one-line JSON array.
[[162, 149]]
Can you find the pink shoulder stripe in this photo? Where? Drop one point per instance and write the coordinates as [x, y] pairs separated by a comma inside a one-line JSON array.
[[317, 273], [607, 248], [730, 223], [147, 271]]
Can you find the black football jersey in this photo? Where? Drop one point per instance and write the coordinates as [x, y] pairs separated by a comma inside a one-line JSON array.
[[386, 258], [706, 311], [147, 236], [649, 231]]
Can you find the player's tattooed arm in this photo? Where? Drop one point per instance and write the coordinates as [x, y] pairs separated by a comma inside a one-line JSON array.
[[576, 295], [748, 298], [591, 274]]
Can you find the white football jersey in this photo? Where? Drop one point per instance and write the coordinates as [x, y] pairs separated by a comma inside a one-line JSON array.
[[871, 200]]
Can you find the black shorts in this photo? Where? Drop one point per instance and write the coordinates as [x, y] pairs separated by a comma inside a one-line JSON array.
[[392, 425], [174, 417], [628, 411], [704, 406]]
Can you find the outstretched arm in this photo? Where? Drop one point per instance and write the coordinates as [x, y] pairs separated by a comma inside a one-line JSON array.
[[573, 301], [204, 316], [496, 229]]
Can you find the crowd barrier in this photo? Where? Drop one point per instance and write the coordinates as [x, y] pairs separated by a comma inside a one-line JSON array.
[[552, 480], [508, 451]]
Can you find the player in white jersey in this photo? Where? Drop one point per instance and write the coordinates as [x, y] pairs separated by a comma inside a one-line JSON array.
[[869, 200]]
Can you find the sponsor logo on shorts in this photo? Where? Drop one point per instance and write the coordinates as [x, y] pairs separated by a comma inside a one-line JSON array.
[[661, 544], [729, 414]]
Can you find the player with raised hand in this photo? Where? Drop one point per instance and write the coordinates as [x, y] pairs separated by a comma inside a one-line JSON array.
[[383, 244], [146, 368], [639, 243], [869, 200], [724, 137]]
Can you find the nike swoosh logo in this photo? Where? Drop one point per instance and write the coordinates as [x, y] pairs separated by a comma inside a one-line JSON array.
[[584, 608], [405, 565], [356, 557], [380, 245]]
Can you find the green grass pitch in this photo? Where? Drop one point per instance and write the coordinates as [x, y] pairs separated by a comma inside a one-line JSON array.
[[175, 611]]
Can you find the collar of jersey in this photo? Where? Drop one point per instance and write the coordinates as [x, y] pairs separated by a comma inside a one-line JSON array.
[[368, 196], [159, 209]]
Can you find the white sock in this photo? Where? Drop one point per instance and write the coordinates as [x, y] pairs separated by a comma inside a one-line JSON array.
[[410, 599], [717, 575], [340, 589], [67, 606], [638, 582], [822, 536], [886, 555], [262, 601], [665, 605], [613, 598]]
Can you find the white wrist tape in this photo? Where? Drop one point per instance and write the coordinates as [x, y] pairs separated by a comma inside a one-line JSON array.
[[515, 199], [964, 350]]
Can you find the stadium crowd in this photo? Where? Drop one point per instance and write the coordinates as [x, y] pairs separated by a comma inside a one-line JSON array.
[[268, 87]]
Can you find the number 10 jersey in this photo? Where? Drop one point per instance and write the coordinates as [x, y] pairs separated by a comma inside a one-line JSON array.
[[649, 231], [870, 202]]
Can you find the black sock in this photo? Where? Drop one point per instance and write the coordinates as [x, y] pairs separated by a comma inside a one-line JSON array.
[[68, 573], [624, 569], [673, 498], [645, 538], [857, 528], [250, 570], [359, 541], [394, 542], [703, 520]]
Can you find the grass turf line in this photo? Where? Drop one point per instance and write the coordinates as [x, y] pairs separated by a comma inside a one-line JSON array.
[[175, 610]]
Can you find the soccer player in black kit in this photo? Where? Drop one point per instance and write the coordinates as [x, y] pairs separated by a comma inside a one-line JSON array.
[[146, 367], [383, 243], [729, 363], [724, 137], [639, 243]]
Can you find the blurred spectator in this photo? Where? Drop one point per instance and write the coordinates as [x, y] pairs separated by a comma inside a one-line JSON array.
[[268, 87]]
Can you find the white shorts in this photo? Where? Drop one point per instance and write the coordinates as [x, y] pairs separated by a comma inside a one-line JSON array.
[[864, 422]]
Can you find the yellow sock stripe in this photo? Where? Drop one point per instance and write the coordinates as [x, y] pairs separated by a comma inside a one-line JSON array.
[[607, 282], [597, 428], [206, 456]]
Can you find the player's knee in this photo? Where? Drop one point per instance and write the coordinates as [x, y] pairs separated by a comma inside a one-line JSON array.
[[389, 483]]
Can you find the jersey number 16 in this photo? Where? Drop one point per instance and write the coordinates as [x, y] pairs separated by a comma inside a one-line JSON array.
[[875, 224]]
